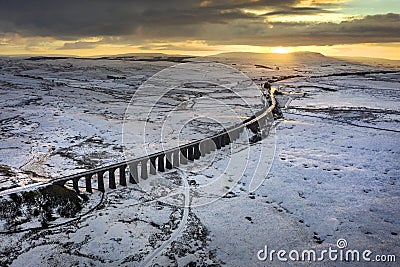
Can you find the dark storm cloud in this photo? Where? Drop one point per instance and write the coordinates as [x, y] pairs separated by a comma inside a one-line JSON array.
[[297, 11], [376, 28], [260, 4], [74, 18], [216, 22], [78, 45]]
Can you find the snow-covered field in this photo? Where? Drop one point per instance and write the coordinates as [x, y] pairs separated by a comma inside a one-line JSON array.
[[334, 174]]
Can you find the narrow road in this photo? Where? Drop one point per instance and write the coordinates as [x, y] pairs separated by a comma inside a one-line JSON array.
[[153, 255]]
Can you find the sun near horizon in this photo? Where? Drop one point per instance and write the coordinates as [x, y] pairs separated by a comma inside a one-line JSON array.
[[280, 50]]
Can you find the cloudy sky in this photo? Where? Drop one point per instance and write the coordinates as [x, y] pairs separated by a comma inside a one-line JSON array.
[[200, 27]]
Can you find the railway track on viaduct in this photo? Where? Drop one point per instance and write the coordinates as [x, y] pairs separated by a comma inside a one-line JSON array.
[[133, 170]]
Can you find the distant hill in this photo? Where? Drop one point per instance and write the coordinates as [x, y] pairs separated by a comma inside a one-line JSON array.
[[372, 61], [148, 57], [125, 57], [302, 58], [295, 56]]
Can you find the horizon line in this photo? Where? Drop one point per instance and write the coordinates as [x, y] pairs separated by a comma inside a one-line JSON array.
[[187, 55]]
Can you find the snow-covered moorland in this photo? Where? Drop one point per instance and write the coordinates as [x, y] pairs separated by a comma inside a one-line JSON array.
[[334, 174]]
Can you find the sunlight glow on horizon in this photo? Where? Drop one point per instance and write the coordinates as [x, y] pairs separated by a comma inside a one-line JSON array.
[[280, 50], [48, 46], [386, 51]]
